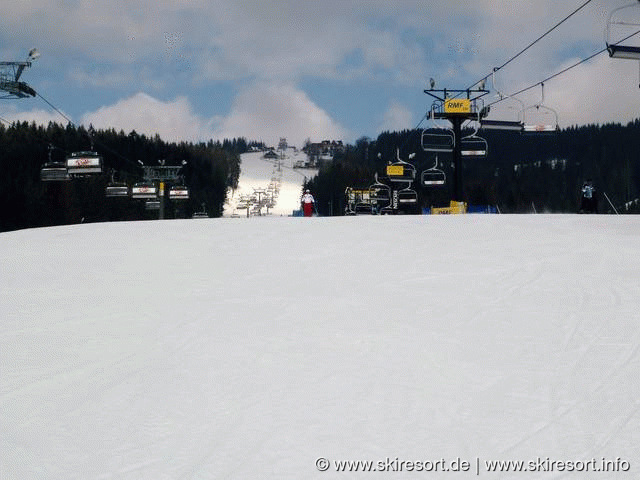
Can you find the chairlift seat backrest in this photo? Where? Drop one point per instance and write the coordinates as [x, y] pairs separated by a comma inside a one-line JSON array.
[[401, 172], [407, 196], [144, 191], [179, 193], [380, 193], [363, 208], [628, 52], [438, 141], [54, 172], [117, 190], [433, 177], [473, 146], [501, 125], [540, 128], [84, 163]]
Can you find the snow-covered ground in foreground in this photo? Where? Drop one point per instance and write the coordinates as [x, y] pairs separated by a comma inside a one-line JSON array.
[[249, 349], [256, 172]]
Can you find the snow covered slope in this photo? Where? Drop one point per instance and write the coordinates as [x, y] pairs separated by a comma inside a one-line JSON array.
[[257, 172], [251, 349]]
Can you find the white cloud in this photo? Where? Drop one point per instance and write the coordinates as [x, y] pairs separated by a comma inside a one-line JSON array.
[[396, 118], [269, 111], [261, 112], [172, 121], [166, 47], [603, 90], [38, 116]]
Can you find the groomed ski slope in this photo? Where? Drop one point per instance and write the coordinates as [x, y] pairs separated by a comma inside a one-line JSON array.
[[256, 172], [249, 348]]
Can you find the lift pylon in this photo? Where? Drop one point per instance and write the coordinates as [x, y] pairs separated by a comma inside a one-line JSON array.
[[457, 106], [10, 72]]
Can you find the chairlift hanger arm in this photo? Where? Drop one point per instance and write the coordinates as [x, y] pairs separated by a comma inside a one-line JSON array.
[[610, 21]]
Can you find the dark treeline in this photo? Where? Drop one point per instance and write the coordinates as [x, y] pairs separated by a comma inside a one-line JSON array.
[[520, 173], [25, 201]]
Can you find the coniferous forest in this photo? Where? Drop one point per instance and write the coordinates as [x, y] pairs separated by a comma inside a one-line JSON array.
[[521, 173], [26, 201]]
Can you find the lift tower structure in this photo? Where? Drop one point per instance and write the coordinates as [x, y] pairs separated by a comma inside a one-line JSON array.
[[457, 107], [10, 72]]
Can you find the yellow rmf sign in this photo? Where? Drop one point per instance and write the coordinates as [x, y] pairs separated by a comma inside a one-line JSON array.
[[457, 105], [395, 170]]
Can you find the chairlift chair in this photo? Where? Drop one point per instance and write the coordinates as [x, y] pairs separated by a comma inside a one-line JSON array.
[[84, 163], [504, 125], [179, 192], [54, 171], [202, 213], [380, 192], [473, 145], [401, 171], [116, 189], [152, 205], [144, 191], [433, 177], [351, 201], [547, 112], [363, 202], [407, 196], [349, 208], [380, 195], [624, 29], [388, 210], [437, 139]]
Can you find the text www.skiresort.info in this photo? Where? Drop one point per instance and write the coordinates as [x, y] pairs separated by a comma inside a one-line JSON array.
[[476, 466]]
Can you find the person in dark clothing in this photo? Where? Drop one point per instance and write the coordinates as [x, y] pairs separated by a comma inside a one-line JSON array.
[[588, 203]]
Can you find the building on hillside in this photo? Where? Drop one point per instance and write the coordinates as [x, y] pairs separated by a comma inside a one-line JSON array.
[[270, 154], [323, 151]]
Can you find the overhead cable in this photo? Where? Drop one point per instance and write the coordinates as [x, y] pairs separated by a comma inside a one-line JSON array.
[[563, 71], [534, 42]]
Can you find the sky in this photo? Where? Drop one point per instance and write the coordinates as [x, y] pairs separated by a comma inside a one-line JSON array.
[[331, 69]]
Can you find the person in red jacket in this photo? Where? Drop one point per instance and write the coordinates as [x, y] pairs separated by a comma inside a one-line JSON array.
[[307, 203]]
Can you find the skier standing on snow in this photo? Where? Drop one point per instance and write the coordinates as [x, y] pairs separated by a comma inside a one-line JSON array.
[[308, 203], [589, 203]]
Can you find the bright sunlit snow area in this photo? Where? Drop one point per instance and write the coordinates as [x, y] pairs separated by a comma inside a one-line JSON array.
[[249, 349], [257, 173]]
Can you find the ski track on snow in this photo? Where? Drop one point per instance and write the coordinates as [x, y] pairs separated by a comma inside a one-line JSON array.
[[239, 348]]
